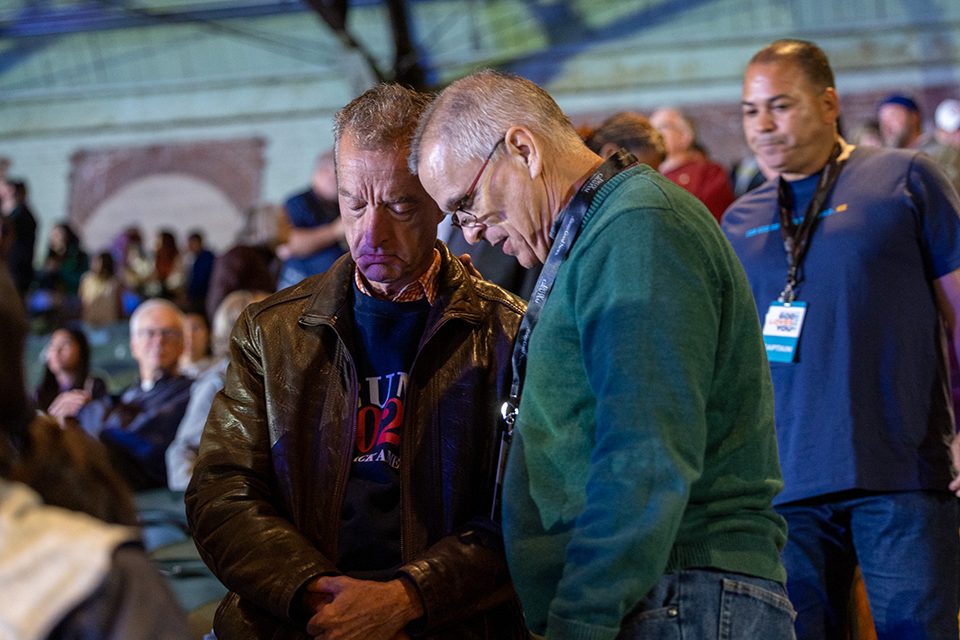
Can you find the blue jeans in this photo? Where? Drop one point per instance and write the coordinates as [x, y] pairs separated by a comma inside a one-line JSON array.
[[711, 605], [908, 548]]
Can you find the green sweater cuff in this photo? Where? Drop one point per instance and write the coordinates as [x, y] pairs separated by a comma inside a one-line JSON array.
[[562, 629]]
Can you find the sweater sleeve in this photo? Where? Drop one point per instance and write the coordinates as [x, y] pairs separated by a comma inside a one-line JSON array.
[[647, 314], [182, 452]]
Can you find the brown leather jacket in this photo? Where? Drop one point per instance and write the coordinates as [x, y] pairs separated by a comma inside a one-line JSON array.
[[265, 500]]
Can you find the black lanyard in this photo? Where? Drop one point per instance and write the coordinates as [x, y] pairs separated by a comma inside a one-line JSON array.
[[564, 232], [796, 237]]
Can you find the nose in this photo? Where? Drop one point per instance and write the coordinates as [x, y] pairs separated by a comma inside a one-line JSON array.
[[474, 234], [376, 231]]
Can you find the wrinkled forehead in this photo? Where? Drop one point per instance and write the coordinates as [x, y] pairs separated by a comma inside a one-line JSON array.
[[370, 159], [385, 174]]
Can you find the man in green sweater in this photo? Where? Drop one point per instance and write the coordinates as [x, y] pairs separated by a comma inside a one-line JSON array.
[[637, 500]]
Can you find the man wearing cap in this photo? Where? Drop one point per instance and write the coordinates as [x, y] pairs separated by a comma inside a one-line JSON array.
[[900, 123], [854, 259]]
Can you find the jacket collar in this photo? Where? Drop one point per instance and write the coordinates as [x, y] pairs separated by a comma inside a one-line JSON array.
[[456, 296]]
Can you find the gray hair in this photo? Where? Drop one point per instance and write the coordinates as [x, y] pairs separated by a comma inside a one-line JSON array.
[[474, 112], [226, 316], [381, 118], [153, 303]]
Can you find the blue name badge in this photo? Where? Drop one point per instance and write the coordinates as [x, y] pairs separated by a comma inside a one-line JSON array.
[[781, 330]]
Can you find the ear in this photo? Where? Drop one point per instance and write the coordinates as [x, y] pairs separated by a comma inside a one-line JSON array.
[[525, 147], [830, 104]]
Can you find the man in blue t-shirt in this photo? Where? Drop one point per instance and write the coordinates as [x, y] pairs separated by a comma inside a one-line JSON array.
[[314, 238], [853, 255]]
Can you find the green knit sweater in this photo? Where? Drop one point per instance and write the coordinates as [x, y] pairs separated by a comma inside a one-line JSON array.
[[645, 440]]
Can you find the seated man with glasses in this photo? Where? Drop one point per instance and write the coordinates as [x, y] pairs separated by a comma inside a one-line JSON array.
[[138, 425]]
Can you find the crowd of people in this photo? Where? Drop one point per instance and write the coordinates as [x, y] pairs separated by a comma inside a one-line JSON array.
[[639, 393]]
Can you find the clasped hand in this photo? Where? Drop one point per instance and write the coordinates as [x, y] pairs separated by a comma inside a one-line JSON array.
[[349, 609]]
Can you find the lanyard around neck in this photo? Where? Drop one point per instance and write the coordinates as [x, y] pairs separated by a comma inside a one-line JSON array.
[[565, 233], [796, 235]]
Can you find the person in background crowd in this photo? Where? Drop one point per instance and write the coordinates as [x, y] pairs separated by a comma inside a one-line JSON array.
[[315, 233], [135, 269], [868, 135], [946, 148], [182, 452], [139, 425], [100, 293], [687, 165], [901, 126], [66, 574], [18, 233], [197, 268], [166, 281], [67, 368], [196, 357], [58, 280], [855, 336], [630, 131], [241, 267], [638, 488], [747, 174], [346, 472]]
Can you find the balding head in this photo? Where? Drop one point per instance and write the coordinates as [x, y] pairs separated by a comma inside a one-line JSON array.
[[496, 151], [474, 112], [805, 55], [676, 128]]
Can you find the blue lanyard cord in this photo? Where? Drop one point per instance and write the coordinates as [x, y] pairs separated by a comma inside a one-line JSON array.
[[565, 232], [569, 222]]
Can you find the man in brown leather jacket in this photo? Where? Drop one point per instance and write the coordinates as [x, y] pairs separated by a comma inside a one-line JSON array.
[[345, 477]]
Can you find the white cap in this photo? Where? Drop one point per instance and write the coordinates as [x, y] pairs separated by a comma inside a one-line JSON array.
[[948, 116]]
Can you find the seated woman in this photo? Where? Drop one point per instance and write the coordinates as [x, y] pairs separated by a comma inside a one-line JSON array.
[[196, 357], [101, 293], [182, 452], [67, 368]]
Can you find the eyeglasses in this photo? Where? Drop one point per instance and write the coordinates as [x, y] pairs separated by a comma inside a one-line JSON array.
[[165, 334], [460, 216]]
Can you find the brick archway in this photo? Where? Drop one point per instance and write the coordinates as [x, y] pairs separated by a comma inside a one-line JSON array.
[[232, 166]]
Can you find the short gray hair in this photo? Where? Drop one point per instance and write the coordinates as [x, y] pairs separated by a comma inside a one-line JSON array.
[[152, 303], [474, 112], [384, 117]]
